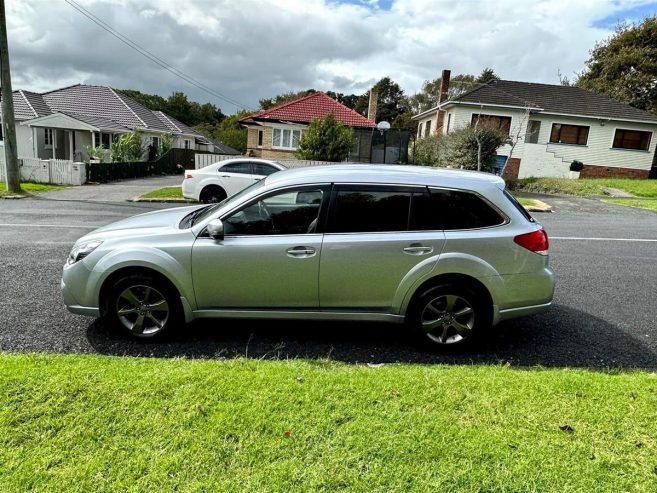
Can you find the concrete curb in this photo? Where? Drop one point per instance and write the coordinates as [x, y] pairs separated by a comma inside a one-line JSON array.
[[14, 197], [164, 200], [539, 206]]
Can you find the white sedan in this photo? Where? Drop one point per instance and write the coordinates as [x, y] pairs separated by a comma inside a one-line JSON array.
[[225, 178]]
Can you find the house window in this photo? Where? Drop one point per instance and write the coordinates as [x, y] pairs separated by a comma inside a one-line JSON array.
[[47, 139], [286, 138], [261, 135], [569, 134], [427, 128], [105, 140], [502, 123], [533, 129], [632, 139], [449, 121], [187, 143]]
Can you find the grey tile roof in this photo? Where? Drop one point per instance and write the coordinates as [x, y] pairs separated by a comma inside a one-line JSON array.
[[102, 102], [101, 123], [224, 149], [554, 99], [175, 125], [29, 105]]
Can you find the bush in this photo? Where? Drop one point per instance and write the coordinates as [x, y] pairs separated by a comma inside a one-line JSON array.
[[472, 147], [576, 166], [165, 144], [97, 152], [427, 151], [128, 147], [326, 140]]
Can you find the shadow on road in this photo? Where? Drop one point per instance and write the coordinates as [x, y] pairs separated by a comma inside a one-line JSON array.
[[563, 337]]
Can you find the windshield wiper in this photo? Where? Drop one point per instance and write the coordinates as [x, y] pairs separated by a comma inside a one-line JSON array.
[[189, 219]]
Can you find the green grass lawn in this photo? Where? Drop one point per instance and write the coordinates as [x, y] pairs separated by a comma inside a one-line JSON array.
[[586, 186], [164, 193], [647, 204], [30, 188], [96, 423]]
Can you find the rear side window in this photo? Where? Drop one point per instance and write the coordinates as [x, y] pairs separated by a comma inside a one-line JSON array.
[[453, 209], [519, 206], [263, 169], [243, 168], [368, 211]]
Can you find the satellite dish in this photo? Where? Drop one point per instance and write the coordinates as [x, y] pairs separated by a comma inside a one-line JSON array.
[[383, 126]]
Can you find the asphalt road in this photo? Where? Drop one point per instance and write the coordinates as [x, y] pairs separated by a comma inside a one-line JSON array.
[[604, 316]]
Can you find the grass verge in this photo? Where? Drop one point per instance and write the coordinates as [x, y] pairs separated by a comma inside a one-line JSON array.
[[30, 188], [647, 204], [167, 193], [95, 423], [585, 186]]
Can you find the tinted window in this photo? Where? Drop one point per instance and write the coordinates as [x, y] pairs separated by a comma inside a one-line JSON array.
[[451, 209], [263, 169], [280, 214], [244, 168], [364, 211]]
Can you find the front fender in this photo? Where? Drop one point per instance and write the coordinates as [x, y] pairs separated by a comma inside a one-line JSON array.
[[151, 258]]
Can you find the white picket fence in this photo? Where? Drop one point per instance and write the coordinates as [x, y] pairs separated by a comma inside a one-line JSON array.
[[203, 160], [55, 171]]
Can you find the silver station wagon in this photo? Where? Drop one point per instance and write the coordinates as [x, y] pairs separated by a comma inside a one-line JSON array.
[[450, 253]]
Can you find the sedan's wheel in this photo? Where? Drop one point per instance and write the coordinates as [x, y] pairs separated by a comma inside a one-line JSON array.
[[212, 195], [143, 306], [448, 316]]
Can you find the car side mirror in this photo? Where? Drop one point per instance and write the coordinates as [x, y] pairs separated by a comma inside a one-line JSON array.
[[216, 229]]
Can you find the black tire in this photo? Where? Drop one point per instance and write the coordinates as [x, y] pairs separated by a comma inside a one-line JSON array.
[[212, 194], [143, 306], [448, 317]]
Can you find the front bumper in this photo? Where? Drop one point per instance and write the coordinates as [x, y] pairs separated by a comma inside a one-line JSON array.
[[73, 306]]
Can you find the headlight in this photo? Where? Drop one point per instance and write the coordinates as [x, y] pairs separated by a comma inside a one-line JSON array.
[[82, 250]]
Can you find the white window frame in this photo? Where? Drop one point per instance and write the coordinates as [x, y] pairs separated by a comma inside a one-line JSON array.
[[281, 131], [187, 144], [48, 137]]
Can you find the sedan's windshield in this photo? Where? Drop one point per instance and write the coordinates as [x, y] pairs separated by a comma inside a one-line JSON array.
[[209, 210]]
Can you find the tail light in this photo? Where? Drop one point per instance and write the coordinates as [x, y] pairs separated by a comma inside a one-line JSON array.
[[536, 241], [189, 176]]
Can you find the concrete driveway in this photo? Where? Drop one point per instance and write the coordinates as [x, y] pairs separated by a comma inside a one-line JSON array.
[[118, 191]]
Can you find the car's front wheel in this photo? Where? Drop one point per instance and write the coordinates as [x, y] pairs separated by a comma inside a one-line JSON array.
[[448, 316], [143, 306]]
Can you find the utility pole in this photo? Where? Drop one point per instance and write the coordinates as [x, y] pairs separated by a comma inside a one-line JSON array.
[[12, 172]]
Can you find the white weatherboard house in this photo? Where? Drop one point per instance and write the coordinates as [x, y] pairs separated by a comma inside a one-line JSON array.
[[552, 126], [60, 124]]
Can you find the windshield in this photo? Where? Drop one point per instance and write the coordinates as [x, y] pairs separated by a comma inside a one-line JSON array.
[[210, 210]]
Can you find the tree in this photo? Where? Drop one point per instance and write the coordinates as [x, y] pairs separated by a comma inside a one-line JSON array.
[[392, 103], [473, 147], [487, 76], [427, 98], [624, 66], [267, 103], [349, 100], [128, 147], [228, 132], [326, 140]]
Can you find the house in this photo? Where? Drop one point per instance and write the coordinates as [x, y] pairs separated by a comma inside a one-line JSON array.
[[552, 125], [60, 124], [275, 133]]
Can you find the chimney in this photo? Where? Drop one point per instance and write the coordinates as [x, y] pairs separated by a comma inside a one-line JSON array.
[[444, 86], [371, 107], [442, 97]]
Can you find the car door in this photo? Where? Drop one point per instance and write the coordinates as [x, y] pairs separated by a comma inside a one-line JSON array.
[[235, 176], [371, 246], [269, 257]]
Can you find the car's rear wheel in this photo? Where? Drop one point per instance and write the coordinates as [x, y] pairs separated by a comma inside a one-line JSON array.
[[212, 194], [448, 316], [143, 306]]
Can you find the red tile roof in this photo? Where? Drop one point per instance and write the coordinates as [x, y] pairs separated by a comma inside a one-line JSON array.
[[312, 107]]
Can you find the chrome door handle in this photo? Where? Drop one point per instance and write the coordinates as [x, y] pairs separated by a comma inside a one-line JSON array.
[[225, 176], [300, 251], [418, 249]]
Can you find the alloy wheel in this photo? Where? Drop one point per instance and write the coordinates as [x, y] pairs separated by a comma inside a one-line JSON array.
[[143, 310], [448, 319]]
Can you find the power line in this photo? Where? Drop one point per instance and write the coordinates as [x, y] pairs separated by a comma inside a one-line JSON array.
[[152, 57]]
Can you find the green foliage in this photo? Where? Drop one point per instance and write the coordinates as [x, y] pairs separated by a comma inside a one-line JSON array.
[[624, 66], [349, 100], [473, 147], [165, 144], [586, 186], [576, 165], [487, 76], [128, 147], [228, 132], [392, 104], [267, 103], [426, 151], [97, 152], [178, 106], [326, 140]]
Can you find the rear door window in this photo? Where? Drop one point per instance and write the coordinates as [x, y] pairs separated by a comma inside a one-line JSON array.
[[240, 168], [451, 210], [263, 169], [369, 209]]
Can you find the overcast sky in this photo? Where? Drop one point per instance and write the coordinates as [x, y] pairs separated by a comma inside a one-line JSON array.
[[250, 49]]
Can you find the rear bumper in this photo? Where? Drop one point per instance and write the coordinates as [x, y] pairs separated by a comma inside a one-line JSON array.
[[189, 190], [524, 294], [522, 311]]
